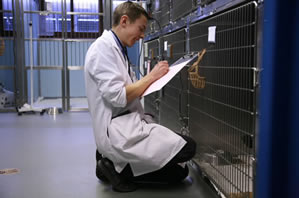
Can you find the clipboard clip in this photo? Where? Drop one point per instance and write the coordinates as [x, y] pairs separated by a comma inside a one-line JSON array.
[[190, 55]]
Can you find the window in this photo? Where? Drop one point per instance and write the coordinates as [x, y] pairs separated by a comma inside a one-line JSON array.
[[6, 18], [81, 19]]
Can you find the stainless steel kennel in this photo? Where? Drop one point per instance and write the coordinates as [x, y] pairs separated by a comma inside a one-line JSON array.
[[222, 116]]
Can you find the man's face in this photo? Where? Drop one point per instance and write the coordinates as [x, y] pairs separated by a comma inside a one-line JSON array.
[[135, 31]]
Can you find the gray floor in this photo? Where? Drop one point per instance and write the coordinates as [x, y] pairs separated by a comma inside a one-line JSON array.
[[55, 156]]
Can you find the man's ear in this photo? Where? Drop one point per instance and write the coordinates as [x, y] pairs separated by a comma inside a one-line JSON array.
[[124, 19]]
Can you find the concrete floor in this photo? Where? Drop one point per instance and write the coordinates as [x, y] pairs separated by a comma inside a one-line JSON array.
[[56, 159]]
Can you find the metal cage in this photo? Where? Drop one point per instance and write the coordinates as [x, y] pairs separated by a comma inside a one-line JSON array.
[[181, 8], [151, 56], [173, 105], [222, 116]]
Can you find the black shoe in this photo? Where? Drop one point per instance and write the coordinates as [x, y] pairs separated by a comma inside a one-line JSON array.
[[181, 174], [119, 184], [99, 173]]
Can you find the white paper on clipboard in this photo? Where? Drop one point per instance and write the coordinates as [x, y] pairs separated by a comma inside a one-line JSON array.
[[173, 70]]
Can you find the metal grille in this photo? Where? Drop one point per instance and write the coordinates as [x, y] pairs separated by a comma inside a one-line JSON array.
[[181, 8], [161, 15], [173, 106], [151, 101], [222, 115], [176, 43], [165, 14], [152, 53]]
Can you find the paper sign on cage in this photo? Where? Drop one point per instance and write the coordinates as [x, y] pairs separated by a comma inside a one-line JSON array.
[[212, 34], [196, 80], [145, 50]]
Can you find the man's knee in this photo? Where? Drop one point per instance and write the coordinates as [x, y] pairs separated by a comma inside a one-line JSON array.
[[191, 147]]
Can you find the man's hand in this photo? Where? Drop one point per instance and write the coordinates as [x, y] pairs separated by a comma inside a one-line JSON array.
[[160, 69], [136, 89]]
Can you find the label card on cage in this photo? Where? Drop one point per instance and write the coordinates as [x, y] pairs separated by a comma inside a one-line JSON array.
[[165, 46], [145, 50], [212, 34]]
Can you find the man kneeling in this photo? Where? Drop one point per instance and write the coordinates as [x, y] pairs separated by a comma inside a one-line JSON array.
[[134, 148]]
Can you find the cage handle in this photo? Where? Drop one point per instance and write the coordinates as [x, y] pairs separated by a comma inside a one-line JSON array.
[[196, 63]]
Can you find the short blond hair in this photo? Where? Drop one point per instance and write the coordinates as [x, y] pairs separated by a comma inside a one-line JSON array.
[[132, 10]]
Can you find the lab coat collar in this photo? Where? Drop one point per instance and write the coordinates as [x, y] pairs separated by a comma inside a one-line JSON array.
[[109, 36], [120, 45]]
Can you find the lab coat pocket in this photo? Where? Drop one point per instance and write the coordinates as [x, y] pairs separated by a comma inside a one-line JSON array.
[[126, 131]]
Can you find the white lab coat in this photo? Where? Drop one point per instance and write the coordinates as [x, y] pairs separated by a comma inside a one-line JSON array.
[[127, 138]]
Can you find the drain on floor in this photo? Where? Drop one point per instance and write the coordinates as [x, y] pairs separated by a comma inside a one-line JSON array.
[[9, 171]]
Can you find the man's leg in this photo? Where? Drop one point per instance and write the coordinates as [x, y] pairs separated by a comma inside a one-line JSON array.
[[166, 175], [172, 172], [186, 153]]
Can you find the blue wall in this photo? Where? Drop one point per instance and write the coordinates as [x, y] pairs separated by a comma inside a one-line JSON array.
[[133, 53], [50, 54], [7, 59], [278, 155], [7, 79]]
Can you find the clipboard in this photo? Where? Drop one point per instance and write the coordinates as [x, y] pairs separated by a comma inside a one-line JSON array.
[[173, 70]]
